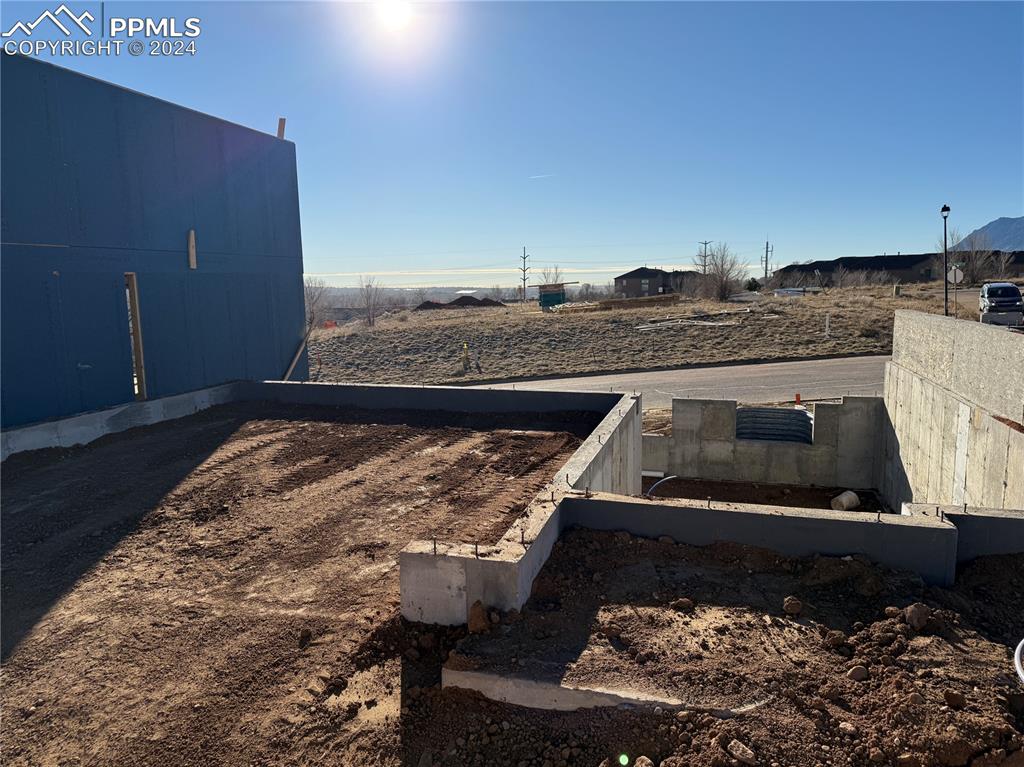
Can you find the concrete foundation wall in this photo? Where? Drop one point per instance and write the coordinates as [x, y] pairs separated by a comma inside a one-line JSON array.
[[953, 400], [451, 398], [980, 531], [502, 575], [982, 363], [83, 429], [925, 545], [703, 445]]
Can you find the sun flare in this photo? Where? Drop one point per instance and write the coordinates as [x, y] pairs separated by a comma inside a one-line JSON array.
[[394, 15]]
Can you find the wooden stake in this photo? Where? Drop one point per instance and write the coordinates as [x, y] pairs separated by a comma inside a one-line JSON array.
[[280, 127]]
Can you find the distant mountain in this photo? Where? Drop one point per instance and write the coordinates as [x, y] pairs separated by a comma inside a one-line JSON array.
[[1001, 234]]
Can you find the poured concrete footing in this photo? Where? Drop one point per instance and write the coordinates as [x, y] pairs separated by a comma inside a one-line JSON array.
[[533, 693]]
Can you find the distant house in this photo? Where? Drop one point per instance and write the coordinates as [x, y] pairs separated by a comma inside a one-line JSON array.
[[654, 282], [903, 268], [911, 267]]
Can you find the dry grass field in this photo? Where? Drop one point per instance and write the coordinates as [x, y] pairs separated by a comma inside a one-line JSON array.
[[426, 347]]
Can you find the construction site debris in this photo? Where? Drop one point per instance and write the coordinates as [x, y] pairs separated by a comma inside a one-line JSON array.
[[846, 501]]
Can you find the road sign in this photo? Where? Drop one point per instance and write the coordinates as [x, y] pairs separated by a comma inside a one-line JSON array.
[[955, 276]]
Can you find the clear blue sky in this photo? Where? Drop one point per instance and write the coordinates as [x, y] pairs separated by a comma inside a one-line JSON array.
[[608, 135]]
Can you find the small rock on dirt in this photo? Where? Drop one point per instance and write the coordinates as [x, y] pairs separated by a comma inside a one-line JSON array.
[[305, 637], [847, 728], [741, 752], [954, 699], [683, 605], [643, 761], [917, 615], [478, 622], [857, 673], [916, 698], [792, 606], [427, 641], [835, 639], [892, 612]]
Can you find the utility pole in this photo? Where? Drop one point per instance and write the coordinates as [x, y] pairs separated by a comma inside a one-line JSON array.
[[704, 257], [524, 269], [769, 250]]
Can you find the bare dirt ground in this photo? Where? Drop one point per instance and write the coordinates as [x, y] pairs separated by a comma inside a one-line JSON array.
[[426, 347], [223, 589], [799, 496], [853, 679]]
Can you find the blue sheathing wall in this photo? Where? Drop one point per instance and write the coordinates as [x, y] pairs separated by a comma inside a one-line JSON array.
[[99, 181]]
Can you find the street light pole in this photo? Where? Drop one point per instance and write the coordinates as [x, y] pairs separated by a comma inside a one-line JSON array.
[[945, 263]]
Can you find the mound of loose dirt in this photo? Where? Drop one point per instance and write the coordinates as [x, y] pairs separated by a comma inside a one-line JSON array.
[[875, 667], [461, 302]]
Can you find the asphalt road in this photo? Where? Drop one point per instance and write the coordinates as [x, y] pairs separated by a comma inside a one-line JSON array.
[[762, 382]]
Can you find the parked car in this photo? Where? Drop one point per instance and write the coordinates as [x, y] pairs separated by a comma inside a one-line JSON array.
[[1000, 297]]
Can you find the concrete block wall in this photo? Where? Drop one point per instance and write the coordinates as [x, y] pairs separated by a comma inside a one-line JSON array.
[[703, 445], [954, 396]]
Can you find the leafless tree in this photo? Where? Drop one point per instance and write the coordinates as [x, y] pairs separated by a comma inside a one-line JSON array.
[[687, 283], [840, 276], [370, 294], [586, 292], [725, 272], [1001, 263], [315, 294], [551, 274], [973, 253], [496, 293], [419, 296]]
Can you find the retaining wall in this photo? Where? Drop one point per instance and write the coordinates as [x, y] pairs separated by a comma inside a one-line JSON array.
[[703, 445], [954, 401]]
